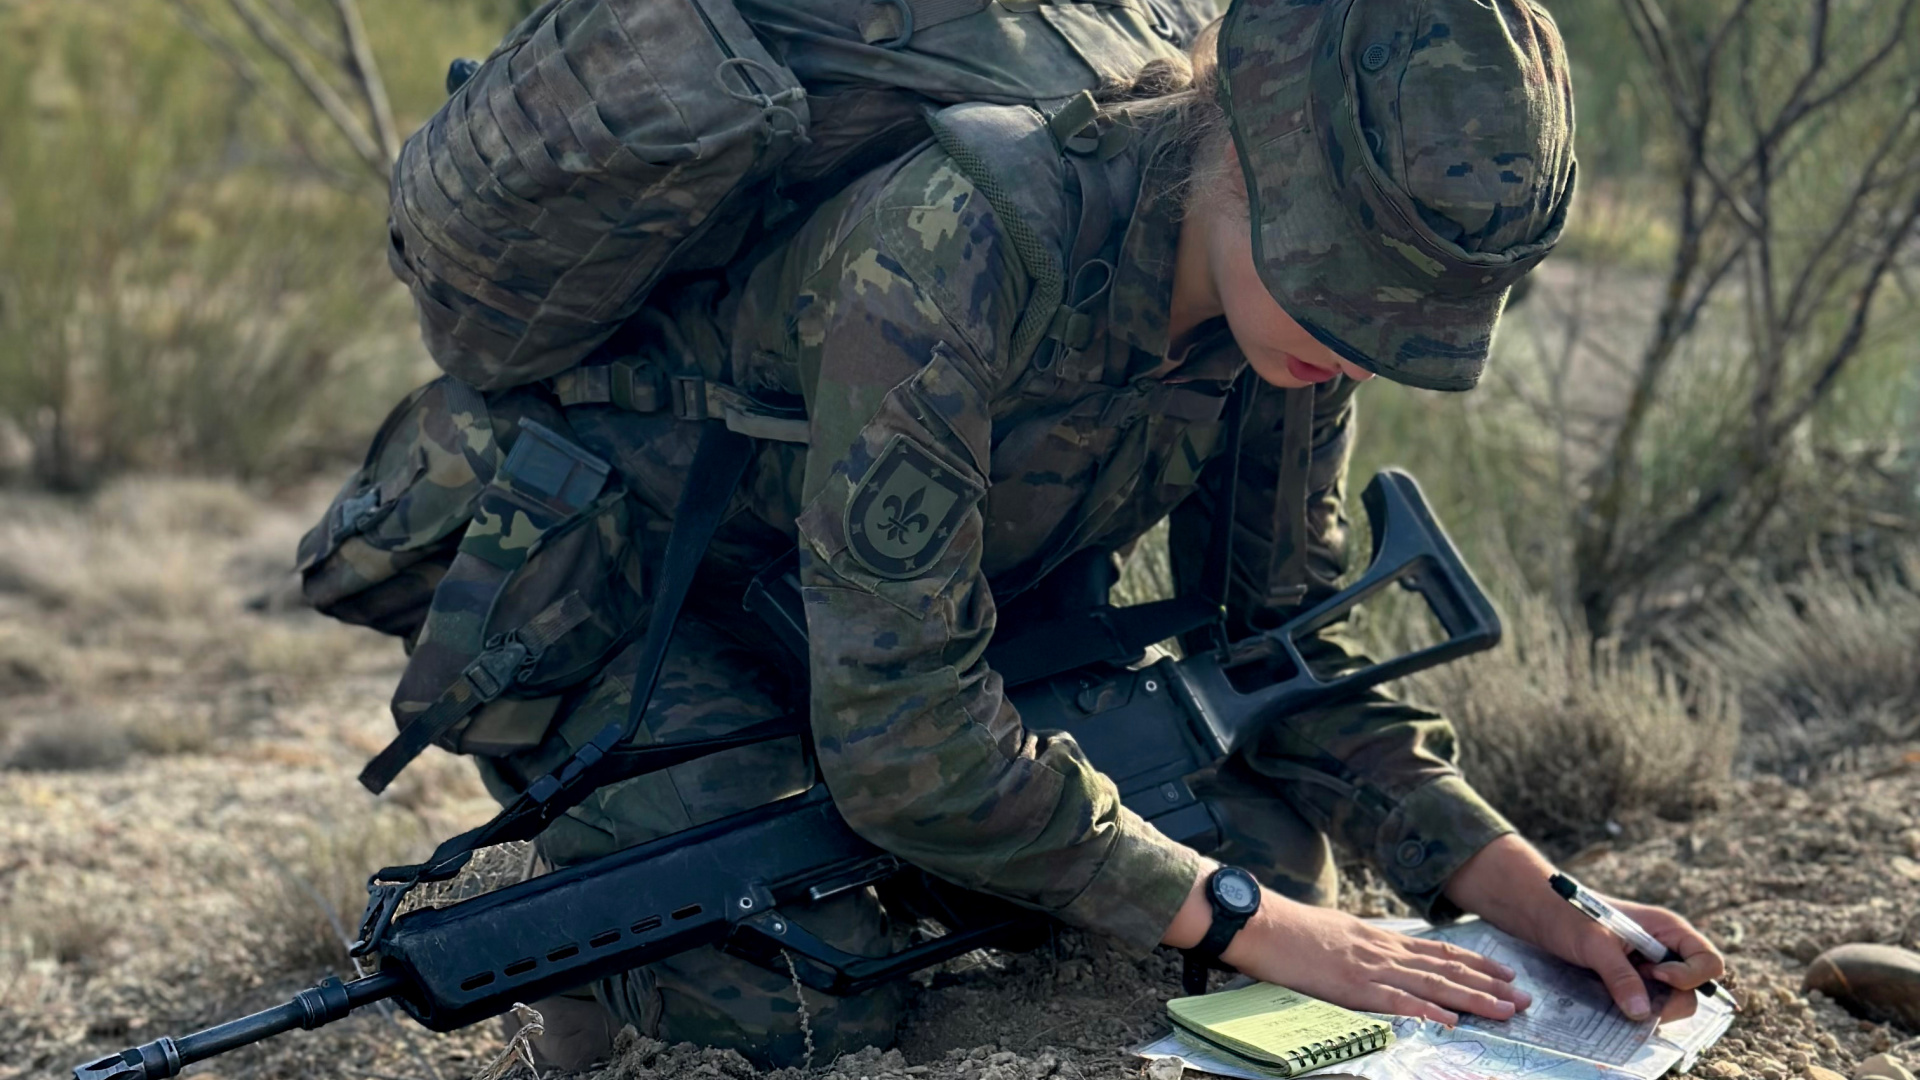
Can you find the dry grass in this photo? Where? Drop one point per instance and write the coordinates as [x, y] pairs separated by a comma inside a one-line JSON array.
[[306, 907], [73, 742], [1569, 737], [1826, 666]]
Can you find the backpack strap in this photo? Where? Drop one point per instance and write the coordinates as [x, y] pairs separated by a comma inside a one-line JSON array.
[[997, 148]]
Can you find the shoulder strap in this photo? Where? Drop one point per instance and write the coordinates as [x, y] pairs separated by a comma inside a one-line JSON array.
[[983, 140], [1287, 562], [719, 463]]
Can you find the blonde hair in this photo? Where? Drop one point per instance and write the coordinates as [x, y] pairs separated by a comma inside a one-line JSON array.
[[1182, 96]]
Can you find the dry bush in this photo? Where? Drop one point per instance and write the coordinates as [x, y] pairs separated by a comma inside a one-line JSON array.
[[1565, 735], [78, 742], [306, 905], [1826, 666], [66, 930], [32, 661]]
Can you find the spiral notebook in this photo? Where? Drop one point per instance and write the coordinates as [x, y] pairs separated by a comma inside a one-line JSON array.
[[1287, 1031]]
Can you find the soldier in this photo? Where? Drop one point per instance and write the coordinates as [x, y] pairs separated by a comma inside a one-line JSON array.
[[1010, 354]]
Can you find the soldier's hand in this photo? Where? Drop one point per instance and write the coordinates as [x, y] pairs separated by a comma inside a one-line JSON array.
[[1505, 883], [1582, 941], [1339, 958]]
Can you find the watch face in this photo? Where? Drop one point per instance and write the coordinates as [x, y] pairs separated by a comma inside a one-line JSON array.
[[1237, 891]]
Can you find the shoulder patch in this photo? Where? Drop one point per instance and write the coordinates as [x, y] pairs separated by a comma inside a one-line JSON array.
[[903, 513]]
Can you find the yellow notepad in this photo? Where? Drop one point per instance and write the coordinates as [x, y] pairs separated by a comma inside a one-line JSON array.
[[1278, 1027]]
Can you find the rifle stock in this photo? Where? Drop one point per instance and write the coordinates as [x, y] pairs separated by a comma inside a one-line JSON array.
[[723, 883]]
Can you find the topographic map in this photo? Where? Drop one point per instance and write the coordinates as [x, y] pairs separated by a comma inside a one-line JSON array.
[[1571, 1032]]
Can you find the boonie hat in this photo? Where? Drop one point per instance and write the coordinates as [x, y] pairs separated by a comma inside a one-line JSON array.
[[1406, 162]]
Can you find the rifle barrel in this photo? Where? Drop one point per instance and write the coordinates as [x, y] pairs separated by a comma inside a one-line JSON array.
[[331, 1000]]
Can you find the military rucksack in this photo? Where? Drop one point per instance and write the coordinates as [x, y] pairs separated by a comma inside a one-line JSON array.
[[608, 143]]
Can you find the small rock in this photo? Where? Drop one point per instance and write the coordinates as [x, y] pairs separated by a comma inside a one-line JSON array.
[[1877, 982], [1881, 1067], [1815, 1072], [1165, 1068], [1725, 1070]]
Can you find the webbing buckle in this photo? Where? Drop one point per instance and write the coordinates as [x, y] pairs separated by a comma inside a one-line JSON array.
[[499, 666], [351, 515], [690, 397]]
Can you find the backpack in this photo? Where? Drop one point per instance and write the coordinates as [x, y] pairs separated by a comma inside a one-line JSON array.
[[608, 143]]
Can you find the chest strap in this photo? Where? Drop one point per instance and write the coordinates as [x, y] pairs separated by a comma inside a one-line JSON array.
[[644, 387], [1287, 562]]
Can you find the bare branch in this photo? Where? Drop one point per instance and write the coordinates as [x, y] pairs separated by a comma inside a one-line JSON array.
[[1799, 306], [250, 76], [366, 72], [310, 34], [317, 88]]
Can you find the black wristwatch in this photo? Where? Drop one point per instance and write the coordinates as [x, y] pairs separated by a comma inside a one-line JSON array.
[[1234, 896]]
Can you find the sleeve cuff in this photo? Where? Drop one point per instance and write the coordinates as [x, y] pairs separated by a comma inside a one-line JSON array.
[[1431, 834], [1139, 889]]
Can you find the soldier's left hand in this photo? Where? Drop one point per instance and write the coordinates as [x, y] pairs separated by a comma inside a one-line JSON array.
[[1505, 883], [1593, 946]]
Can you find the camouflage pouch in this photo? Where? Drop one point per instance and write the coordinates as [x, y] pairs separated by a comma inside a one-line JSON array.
[[376, 557], [545, 584]]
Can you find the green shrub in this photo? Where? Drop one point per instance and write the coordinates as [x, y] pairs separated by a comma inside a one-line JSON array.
[[190, 278]]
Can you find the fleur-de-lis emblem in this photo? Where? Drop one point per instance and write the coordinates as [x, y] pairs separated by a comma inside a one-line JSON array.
[[904, 516]]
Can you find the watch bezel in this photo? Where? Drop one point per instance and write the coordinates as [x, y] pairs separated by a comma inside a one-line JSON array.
[[1215, 891]]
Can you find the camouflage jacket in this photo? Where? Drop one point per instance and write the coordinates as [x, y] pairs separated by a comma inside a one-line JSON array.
[[951, 464]]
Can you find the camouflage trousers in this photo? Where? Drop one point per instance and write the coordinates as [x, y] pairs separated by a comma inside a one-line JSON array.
[[710, 684]]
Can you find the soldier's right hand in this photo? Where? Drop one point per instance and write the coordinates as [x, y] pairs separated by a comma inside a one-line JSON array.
[[1339, 958]]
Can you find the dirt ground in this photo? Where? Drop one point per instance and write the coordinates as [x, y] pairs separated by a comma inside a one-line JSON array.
[[180, 835]]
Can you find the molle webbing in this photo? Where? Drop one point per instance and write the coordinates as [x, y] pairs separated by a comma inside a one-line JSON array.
[[643, 387]]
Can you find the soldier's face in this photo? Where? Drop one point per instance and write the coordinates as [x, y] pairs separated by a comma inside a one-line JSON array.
[[1279, 349]]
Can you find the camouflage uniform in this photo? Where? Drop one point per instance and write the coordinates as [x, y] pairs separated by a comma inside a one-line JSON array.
[[956, 454]]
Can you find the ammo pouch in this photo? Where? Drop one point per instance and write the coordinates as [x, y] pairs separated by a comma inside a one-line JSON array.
[[481, 533], [377, 555], [546, 583]]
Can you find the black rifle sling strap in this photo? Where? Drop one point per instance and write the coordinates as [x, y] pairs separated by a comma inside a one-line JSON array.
[[719, 463], [1286, 583]]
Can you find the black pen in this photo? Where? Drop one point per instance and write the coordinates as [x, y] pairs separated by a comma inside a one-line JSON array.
[[1626, 929]]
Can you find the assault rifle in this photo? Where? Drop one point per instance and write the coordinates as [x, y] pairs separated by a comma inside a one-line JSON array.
[[724, 883]]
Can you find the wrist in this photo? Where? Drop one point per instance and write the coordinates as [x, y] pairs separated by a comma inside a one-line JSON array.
[[1195, 915], [1505, 883]]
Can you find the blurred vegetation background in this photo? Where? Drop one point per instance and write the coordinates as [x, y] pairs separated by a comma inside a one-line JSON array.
[[1690, 475]]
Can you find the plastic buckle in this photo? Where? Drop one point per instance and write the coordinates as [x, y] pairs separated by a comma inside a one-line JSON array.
[[690, 397], [496, 669], [352, 514]]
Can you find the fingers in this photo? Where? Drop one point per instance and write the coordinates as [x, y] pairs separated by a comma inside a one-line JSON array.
[[1392, 999], [1623, 983], [1449, 951], [1700, 960], [1445, 992]]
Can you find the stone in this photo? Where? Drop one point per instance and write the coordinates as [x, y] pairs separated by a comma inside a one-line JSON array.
[[1881, 1067], [1165, 1068], [1874, 982], [1815, 1072], [1725, 1070]]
